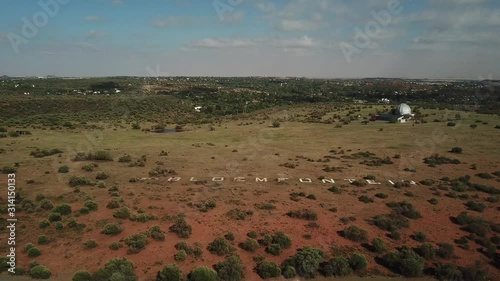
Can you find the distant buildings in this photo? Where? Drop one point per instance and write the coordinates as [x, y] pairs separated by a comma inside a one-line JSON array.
[[399, 114]]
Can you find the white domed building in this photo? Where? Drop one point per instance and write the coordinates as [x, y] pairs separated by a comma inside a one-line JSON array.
[[400, 114]]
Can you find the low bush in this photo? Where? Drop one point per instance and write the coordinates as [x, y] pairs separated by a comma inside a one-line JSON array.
[[355, 234], [91, 205], [63, 169], [337, 266], [378, 246], [238, 214], [365, 199], [274, 249], [181, 228], [55, 217], [445, 250], [305, 263], [63, 209], [115, 246], [249, 245], [231, 269], [169, 272], [79, 181], [180, 256], [34, 252], [220, 247], [405, 262], [101, 176], [381, 195], [203, 273], [46, 204], [112, 229], [136, 242], [426, 251], [420, 236], [44, 224], [475, 206], [304, 214], [90, 244], [156, 233], [43, 240], [40, 272], [267, 269], [122, 213]]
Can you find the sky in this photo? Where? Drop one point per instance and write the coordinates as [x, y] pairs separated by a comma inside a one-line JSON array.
[[433, 39]]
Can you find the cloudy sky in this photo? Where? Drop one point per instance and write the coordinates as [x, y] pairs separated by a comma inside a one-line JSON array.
[[311, 38]]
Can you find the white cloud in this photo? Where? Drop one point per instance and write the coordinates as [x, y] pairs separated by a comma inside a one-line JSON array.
[[266, 7], [302, 42], [222, 43]]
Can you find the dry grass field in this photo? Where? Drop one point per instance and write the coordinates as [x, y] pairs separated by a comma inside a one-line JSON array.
[[246, 149]]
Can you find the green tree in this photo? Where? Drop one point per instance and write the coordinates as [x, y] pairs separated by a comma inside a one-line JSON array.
[[268, 269], [82, 275], [306, 261]]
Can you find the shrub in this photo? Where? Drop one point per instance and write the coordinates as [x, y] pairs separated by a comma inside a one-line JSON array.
[[90, 244], [379, 246], [180, 256], [91, 205], [113, 204], [405, 209], [282, 239], [427, 182], [125, 158], [238, 214], [116, 269], [136, 242], [34, 252], [156, 233], [355, 234], [220, 247], [115, 246], [78, 181], [405, 262], [101, 176], [63, 209], [46, 204], [58, 225], [169, 272], [252, 234], [40, 272], [304, 214], [365, 199], [433, 201], [420, 236], [181, 228], [229, 236], [203, 273], [306, 262], [63, 169], [337, 266], [457, 150], [84, 210], [395, 235], [381, 195], [474, 206], [232, 269], [358, 262], [445, 250], [55, 217], [266, 269], [289, 272], [82, 275], [42, 240], [475, 272], [274, 249], [250, 245], [8, 170], [44, 224], [447, 271], [122, 213], [112, 229], [426, 251]]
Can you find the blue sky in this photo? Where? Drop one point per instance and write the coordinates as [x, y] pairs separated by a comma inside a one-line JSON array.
[[311, 38]]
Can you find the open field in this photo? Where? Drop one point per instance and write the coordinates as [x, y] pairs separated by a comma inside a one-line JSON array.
[[226, 163]]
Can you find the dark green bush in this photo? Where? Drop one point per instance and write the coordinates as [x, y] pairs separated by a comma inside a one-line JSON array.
[[445, 250], [379, 246], [101, 176], [156, 233], [304, 214], [169, 272], [55, 217], [337, 266], [46, 204], [44, 224], [426, 251], [475, 206], [449, 271], [358, 262], [405, 262], [122, 213], [136, 242], [231, 269], [78, 181], [420, 236], [306, 262], [238, 214], [250, 245], [274, 249], [181, 228], [180, 256], [34, 252], [63, 209], [203, 273], [355, 234], [267, 269], [82, 275], [115, 246], [91, 205], [220, 247], [63, 169], [42, 240], [112, 229], [116, 269], [90, 244], [40, 272]]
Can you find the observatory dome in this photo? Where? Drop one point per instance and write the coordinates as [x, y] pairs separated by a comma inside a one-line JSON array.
[[403, 109]]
